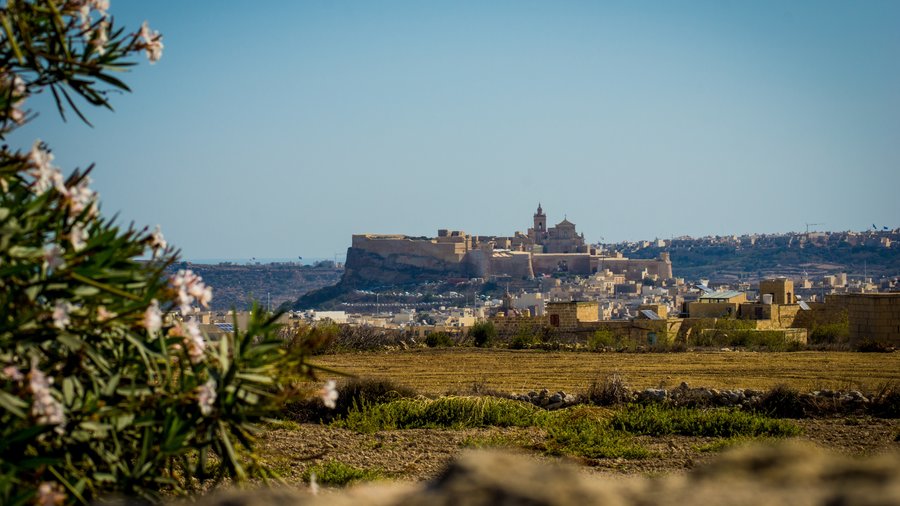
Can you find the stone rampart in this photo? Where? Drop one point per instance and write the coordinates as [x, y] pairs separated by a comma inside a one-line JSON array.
[[575, 263]]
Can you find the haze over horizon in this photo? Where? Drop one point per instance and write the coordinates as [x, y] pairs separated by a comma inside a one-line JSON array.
[[281, 130]]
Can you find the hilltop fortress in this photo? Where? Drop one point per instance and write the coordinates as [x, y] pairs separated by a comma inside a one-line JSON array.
[[397, 259]]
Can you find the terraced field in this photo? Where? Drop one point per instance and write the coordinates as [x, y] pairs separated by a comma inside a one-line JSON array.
[[439, 371]]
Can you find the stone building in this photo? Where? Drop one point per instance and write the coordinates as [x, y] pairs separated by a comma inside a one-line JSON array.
[[561, 238], [567, 315], [396, 259]]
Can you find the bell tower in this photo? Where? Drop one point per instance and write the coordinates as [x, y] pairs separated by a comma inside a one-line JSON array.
[[540, 225]]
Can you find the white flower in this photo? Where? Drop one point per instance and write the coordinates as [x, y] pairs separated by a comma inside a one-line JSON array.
[[42, 170], [190, 287], [53, 257], [81, 197], [152, 43], [104, 315], [61, 314], [313, 484], [78, 236], [157, 242], [101, 6], [100, 37], [194, 342], [17, 97], [50, 494], [329, 394], [152, 317], [206, 397], [12, 373], [45, 408]]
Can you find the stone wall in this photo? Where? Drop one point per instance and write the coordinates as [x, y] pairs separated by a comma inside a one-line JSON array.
[[387, 245], [516, 264], [873, 317], [548, 263]]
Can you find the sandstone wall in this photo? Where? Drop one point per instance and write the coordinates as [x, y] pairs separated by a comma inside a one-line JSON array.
[[548, 263], [873, 317], [386, 245], [515, 264]]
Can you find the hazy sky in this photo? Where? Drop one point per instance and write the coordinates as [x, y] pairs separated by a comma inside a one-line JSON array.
[[278, 129]]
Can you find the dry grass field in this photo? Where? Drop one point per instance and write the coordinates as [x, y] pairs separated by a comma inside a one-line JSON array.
[[439, 371]]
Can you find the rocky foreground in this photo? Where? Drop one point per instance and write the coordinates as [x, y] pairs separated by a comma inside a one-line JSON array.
[[786, 473]]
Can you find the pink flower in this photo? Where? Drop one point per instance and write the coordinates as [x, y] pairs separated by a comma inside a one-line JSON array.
[[42, 170], [12, 373], [100, 37], [78, 236], [329, 394], [53, 257], [152, 43], [194, 342], [157, 242], [153, 317], [79, 197], [206, 397], [50, 494], [17, 96], [104, 315], [61, 312], [45, 408], [190, 287]]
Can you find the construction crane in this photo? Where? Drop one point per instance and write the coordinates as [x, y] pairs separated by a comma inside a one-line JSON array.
[[811, 225]]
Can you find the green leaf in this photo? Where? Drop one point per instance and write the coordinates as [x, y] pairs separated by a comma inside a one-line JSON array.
[[13, 404]]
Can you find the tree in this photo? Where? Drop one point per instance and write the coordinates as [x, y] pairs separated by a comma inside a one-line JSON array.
[[100, 391]]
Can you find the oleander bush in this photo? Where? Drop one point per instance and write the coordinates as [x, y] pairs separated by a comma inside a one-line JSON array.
[[102, 391]]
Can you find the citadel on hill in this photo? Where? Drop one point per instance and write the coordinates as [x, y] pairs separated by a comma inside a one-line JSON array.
[[395, 259]]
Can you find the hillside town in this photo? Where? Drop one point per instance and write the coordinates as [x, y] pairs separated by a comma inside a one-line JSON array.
[[552, 278]]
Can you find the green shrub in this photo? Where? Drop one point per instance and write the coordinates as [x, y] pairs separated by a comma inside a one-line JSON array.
[[654, 420], [97, 396], [338, 474], [600, 339], [445, 412], [830, 333], [581, 431], [438, 340], [483, 334]]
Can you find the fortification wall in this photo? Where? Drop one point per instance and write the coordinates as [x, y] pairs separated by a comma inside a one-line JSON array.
[[477, 263], [631, 267], [548, 263], [386, 245], [515, 264]]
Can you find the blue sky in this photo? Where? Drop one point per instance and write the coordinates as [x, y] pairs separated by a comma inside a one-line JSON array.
[[279, 129]]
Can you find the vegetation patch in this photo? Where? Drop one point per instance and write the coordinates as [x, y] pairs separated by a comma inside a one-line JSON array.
[[719, 445], [483, 334], [351, 393], [585, 432], [438, 340], [446, 412], [338, 474], [495, 441], [654, 420]]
